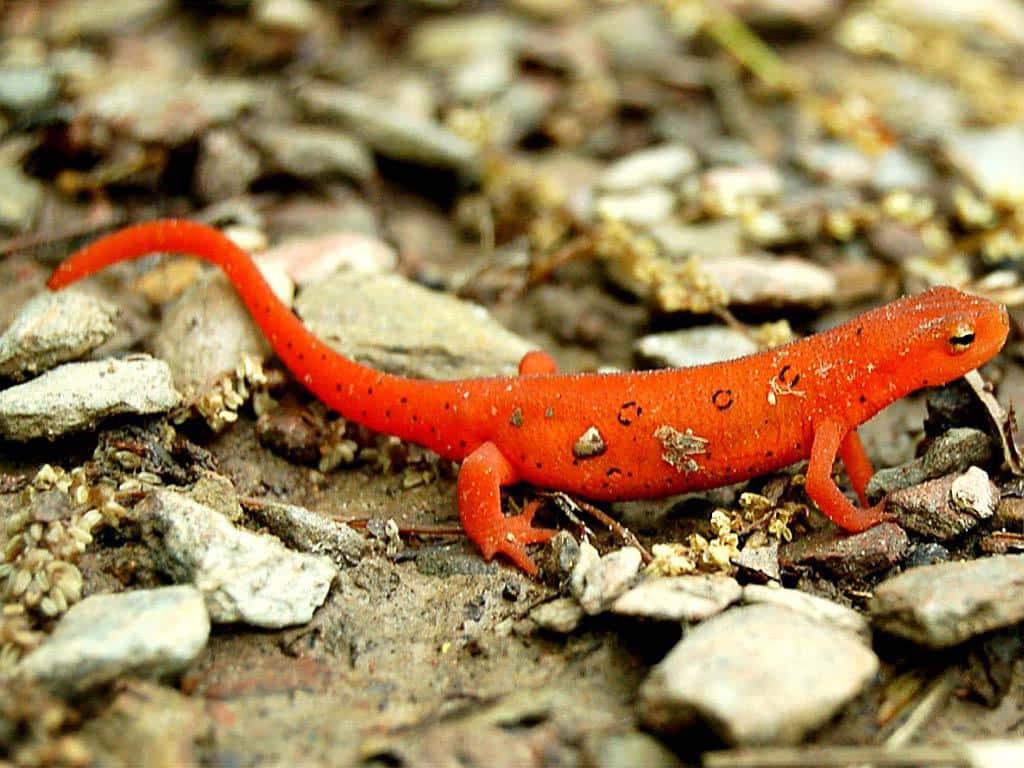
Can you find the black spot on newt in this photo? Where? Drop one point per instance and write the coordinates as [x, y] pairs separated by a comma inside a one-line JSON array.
[[629, 412], [722, 399]]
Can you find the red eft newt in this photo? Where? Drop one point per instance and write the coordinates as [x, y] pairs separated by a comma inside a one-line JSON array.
[[615, 436]]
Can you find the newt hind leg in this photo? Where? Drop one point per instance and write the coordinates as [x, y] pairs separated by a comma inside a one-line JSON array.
[[482, 474]]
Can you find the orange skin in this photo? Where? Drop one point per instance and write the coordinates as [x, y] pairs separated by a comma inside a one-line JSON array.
[[620, 435]]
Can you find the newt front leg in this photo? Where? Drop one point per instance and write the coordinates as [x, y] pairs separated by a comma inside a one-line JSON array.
[[831, 437]]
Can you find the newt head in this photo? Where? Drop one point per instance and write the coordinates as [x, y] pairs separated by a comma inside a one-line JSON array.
[[940, 335]]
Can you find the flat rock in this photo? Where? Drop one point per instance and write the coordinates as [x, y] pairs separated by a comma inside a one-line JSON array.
[[309, 151], [226, 165], [992, 158], [763, 280], [244, 577], [818, 609], [946, 507], [389, 130], [144, 633], [846, 556], [20, 198], [309, 531], [392, 324], [693, 346], [640, 207], [660, 165], [597, 584], [561, 615], [679, 598], [761, 674], [53, 328], [78, 396], [953, 451], [944, 604], [312, 259]]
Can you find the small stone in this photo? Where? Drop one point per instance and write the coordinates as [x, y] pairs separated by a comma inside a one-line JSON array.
[[390, 323], [725, 191], [945, 604], [759, 280], [641, 207], [597, 586], [561, 615], [145, 633], [389, 131], [632, 749], [20, 199], [636, 37], [310, 152], [309, 531], [311, 260], [930, 509], [485, 76], [661, 165], [679, 598], [954, 451], [711, 239], [294, 16], [226, 165], [759, 563], [761, 674], [78, 396], [850, 556], [818, 609], [53, 328], [992, 159], [27, 87], [836, 163], [897, 168], [443, 40], [926, 553], [693, 346], [244, 577]]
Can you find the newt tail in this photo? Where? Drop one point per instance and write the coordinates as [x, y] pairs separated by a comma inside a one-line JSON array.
[[631, 435]]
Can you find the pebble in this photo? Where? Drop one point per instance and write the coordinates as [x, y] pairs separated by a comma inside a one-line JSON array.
[[78, 396], [446, 40], [52, 328], [392, 324], [946, 507], [561, 615], [945, 604], [170, 111], [954, 451], [848, 556], [898, 168], [693, 346], [761, 674], [660, 165], [309, 152], [294, 16], [86, 19], [759, 563], [309, 531], [310, 260], [641, 207], [992, 159], [20, 199], [636, 37], [836, 162], [244, 577], [631, 749], [679, 598], [143, 633], [226, 165], [818, 609], [705, 240], [726, 190], [482, 77], [596, 585], [27, 87], [390, 131], [763, 280]]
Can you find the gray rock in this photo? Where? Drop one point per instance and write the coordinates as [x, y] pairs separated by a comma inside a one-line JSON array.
[[445, 40], [293, 16], [145, 633], [641, 207], [992, 158], [172, 112], [898, 168], [597, 584], [244, 577], [484, 76], [561, 615], [660, 165], [226, 165], [761, 280], [309, 531], [934, 510], [945, 604], [761, 674], [836, 162], [705, 240], [78, 396], [629, 750], [637, 37], [726, 189], [954, 451], [308, 260], [818, 609], [27, 87], [20, 198], [390, 131], [309, 151], [390, 323], [693, 346], [53, 328], [679, 598]]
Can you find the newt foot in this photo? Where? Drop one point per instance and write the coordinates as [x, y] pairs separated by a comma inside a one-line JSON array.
[[514, 534]]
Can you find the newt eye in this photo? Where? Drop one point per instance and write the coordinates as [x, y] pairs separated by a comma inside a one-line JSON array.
[[961, 338]]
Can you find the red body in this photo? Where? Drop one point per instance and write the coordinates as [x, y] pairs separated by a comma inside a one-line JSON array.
[[628, 435]]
